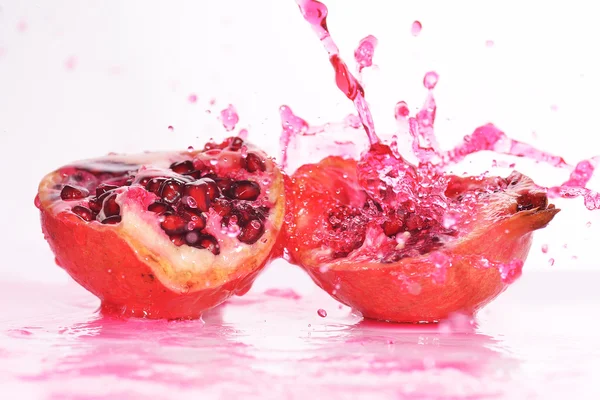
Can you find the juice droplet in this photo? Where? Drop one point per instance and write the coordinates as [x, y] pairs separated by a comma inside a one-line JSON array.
[[544, 248], [229, 118], [322, 313], [71, 63], [416, 27], [401, 111], [170, 128], [489, 43], [364, 52], [510, 272], [430, 80], [315, 13], [551, 262], [291, 125], [22, 26], [37, 202], [591, 200], [588, 224], [441, 262], [190, 149], [192, 98]]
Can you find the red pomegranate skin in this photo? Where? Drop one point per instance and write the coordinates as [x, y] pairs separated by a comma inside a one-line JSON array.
[[130, 276], [411, 289]]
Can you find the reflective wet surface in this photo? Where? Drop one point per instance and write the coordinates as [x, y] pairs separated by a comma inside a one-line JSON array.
[[538, 340]]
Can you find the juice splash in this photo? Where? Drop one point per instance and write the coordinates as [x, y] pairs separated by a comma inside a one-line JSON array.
[[411, 242], [384, 160]]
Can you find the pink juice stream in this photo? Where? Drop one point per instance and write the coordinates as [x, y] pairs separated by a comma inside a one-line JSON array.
[[424, 142]]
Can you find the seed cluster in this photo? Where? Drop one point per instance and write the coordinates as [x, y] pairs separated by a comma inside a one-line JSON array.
[[184, 201]]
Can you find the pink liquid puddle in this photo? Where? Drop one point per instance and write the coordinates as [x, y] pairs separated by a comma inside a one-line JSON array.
[[56, 346]]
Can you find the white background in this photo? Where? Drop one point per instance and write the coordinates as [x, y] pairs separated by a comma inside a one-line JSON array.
[[82, 78]]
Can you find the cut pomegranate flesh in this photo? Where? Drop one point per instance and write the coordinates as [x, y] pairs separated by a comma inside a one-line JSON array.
[[395, 260], [155, 235]]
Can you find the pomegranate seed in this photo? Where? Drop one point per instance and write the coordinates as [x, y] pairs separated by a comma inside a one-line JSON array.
[[79, 176], [177, 240], [112, 220], [212, 189], [236, 144], [69, 192], [84, 213], [199, 194], [394, 223], [251, 232], [171, 190], [207, 242], [202, 191], [214, 145], [95, 204], [159, 207], [244, 190], [110, 206], [254, 163], [414, 223], [182, 167], [194, 174], [194, 218], [245, 213], [223, 183], [154, 185], [103, 188], [222, 207], [201, 166], [173, 224]]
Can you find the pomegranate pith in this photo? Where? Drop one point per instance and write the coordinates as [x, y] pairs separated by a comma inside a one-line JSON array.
[[391, 261], [152, 235]]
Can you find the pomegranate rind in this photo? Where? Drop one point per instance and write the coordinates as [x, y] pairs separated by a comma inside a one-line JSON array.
[[415, 289], [131, 277]]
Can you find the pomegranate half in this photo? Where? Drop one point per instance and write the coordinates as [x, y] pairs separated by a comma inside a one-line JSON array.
[[165, 235], [390, 263]]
